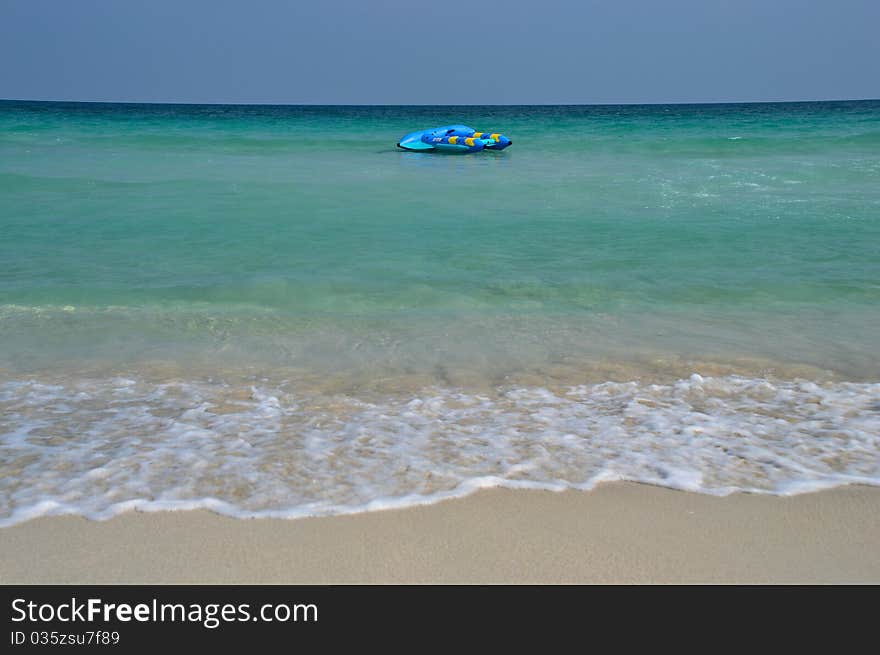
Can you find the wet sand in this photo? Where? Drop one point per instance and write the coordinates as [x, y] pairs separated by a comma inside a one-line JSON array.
[[617, 533]]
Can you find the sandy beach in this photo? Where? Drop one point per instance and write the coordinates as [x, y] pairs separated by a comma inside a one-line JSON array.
[[618, 533]]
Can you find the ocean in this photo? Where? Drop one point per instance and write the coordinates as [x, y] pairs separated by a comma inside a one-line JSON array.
[[273, 311]]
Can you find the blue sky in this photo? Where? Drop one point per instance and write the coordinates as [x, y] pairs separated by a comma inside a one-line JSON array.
[[415, 52]]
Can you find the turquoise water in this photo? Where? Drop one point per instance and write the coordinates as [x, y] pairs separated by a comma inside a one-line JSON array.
[[156, 223], [297, 247]]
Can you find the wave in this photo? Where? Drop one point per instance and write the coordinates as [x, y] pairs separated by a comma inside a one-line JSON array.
[[97, 447]]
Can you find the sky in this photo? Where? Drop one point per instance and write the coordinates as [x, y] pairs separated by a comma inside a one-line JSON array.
[[455, 52]]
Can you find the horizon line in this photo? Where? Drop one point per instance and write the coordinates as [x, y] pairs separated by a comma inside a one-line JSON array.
[[353, 104]]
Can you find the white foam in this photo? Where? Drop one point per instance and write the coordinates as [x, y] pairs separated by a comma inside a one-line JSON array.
[[100, 447]]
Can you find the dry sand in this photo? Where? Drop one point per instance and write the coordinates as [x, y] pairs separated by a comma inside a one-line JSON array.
[[618, 533]]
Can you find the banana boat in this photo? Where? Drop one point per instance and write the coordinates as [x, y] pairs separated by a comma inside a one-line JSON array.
[[453, 138]]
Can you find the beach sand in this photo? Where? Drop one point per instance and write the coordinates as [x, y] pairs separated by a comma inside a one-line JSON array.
[[617, 533]]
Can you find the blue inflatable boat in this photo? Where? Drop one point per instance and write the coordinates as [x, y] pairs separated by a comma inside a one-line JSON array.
[[453, 138]]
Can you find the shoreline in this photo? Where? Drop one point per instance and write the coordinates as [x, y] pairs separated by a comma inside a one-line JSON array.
[[620, 532]]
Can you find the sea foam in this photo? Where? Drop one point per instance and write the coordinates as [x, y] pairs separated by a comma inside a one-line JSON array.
[[100, 447]]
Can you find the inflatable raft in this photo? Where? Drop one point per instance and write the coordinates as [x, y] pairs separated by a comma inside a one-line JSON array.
[[453, 138]]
